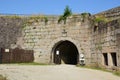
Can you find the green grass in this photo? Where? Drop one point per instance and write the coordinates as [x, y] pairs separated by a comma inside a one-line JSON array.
[[29, 63], [2, 78], [117, 73], [33, 63]]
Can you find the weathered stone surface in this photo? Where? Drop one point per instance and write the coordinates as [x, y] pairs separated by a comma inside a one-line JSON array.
[[42, 37], [10, 31], [111, 13]]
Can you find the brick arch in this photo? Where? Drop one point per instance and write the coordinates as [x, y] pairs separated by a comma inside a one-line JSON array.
[[57, 41]]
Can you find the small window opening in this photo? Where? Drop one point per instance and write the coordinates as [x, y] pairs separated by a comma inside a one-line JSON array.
[[114, 59]]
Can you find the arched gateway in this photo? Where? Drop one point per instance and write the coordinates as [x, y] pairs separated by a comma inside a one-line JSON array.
[[65, 52]]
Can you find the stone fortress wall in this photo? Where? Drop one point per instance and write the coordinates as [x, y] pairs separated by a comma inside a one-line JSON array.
[[105, 39], [96, 42], [10, 31], [42, 37], [112, 14], [105, 43]]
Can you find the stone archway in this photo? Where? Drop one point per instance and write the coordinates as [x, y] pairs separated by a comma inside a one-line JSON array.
[[65, 52]]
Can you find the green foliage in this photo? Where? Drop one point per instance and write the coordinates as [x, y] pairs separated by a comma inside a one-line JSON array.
[[67, 13], [13, 17], [100, 18], [116, 73], [60, 19], [46, 20], [84, 15], [36, 18], [30, 63]]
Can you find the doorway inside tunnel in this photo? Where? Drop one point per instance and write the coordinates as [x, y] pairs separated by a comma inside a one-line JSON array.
[[65, 52]]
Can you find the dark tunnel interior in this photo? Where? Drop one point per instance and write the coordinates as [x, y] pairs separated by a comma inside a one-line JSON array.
[[68, 53]]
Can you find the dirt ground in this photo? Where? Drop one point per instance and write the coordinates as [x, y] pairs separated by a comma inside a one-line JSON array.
[[53, 72]]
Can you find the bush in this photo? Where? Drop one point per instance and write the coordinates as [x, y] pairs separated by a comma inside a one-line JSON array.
[[100, 18], [67, 13]]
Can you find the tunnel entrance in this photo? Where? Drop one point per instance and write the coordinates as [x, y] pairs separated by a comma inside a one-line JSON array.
[[66, 52]]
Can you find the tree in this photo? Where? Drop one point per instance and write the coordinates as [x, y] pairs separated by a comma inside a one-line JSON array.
[[67, 13]]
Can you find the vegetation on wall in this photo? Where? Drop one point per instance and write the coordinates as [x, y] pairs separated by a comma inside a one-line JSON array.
[[85, 15], [13, 16], [100, 18], [67, 13], [46, 19], [36, 18]]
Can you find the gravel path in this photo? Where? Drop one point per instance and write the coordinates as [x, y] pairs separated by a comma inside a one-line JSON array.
[[53, 72]]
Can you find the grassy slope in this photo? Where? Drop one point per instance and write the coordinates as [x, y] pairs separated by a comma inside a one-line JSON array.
[[102, 69]]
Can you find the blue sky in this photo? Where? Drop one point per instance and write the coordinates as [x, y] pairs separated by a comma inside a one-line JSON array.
[[55, 7]]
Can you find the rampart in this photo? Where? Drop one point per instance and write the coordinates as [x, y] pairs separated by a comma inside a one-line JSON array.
[[98, 42]]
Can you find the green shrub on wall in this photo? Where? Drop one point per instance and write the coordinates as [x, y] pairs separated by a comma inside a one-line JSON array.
[[67, 13], [46, 19], [36, 18], [13, 16], [100, 18], [85, 15]]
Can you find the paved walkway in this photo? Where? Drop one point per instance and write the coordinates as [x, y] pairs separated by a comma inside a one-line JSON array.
[[56, 72]]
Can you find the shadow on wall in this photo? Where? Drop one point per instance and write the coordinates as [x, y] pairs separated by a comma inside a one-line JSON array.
[[66, 52], [10, 30]]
